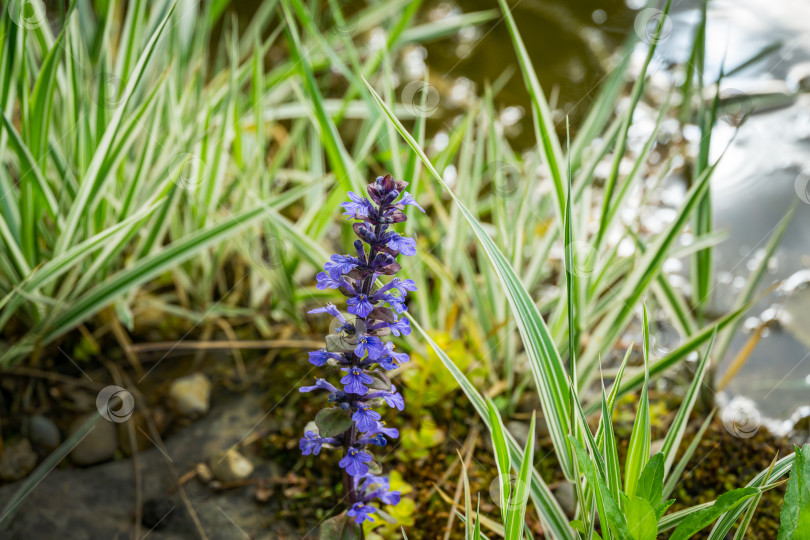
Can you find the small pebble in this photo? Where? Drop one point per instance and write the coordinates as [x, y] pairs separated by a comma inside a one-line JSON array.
[[191, 395], [231, 466], [98, 446], [17, 460]]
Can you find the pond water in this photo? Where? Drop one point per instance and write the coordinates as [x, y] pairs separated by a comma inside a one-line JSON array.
[[766, 166]]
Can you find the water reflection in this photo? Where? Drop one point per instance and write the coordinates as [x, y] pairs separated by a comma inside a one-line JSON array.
[[757, 180]]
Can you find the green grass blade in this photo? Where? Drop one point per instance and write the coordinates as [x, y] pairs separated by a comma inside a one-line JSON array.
[[639, 279], [545, 131], [675, 433], [28, 165], [145, 269], [516, 511], [91, 180], [638, 451], [621, 144], [501, 454], [703, 518], [752, 507], [727, 520], [746, 295], [676, 473]]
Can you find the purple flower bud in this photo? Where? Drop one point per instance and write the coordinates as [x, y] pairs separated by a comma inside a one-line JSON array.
[[325, 281], [390, 497], [310, 444], [331, 310], [391, 433], [357, 207], [402, 326], [394, 400], [319, 357], [355, 277]]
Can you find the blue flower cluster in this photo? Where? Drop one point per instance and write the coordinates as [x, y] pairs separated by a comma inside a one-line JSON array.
[[357, 347]]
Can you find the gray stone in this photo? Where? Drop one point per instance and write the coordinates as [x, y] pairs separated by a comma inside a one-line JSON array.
[[565, 493], [43, 433]]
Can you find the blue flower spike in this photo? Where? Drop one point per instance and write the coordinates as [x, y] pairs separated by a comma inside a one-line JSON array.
[[374, 310]]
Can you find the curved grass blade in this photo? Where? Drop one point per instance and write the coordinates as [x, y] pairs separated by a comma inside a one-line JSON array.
[[146, 269], [544, 130], [672, 481], [544, 359], [752, 507]]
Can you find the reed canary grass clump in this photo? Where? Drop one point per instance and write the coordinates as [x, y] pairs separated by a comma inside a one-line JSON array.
[[357, 345]]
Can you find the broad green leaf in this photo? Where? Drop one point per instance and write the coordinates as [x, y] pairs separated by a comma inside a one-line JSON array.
[[641, 522], [651, 484], [796, 508], [703, 518], [332, 422]]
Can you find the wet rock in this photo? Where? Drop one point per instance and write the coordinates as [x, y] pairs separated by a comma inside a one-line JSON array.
[[191, 395], [98, 445], [231, 466], [17, 460], [157, 513], [43, 433]]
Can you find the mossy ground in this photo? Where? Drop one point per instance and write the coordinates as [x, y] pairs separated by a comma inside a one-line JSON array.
[[721, 462]]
